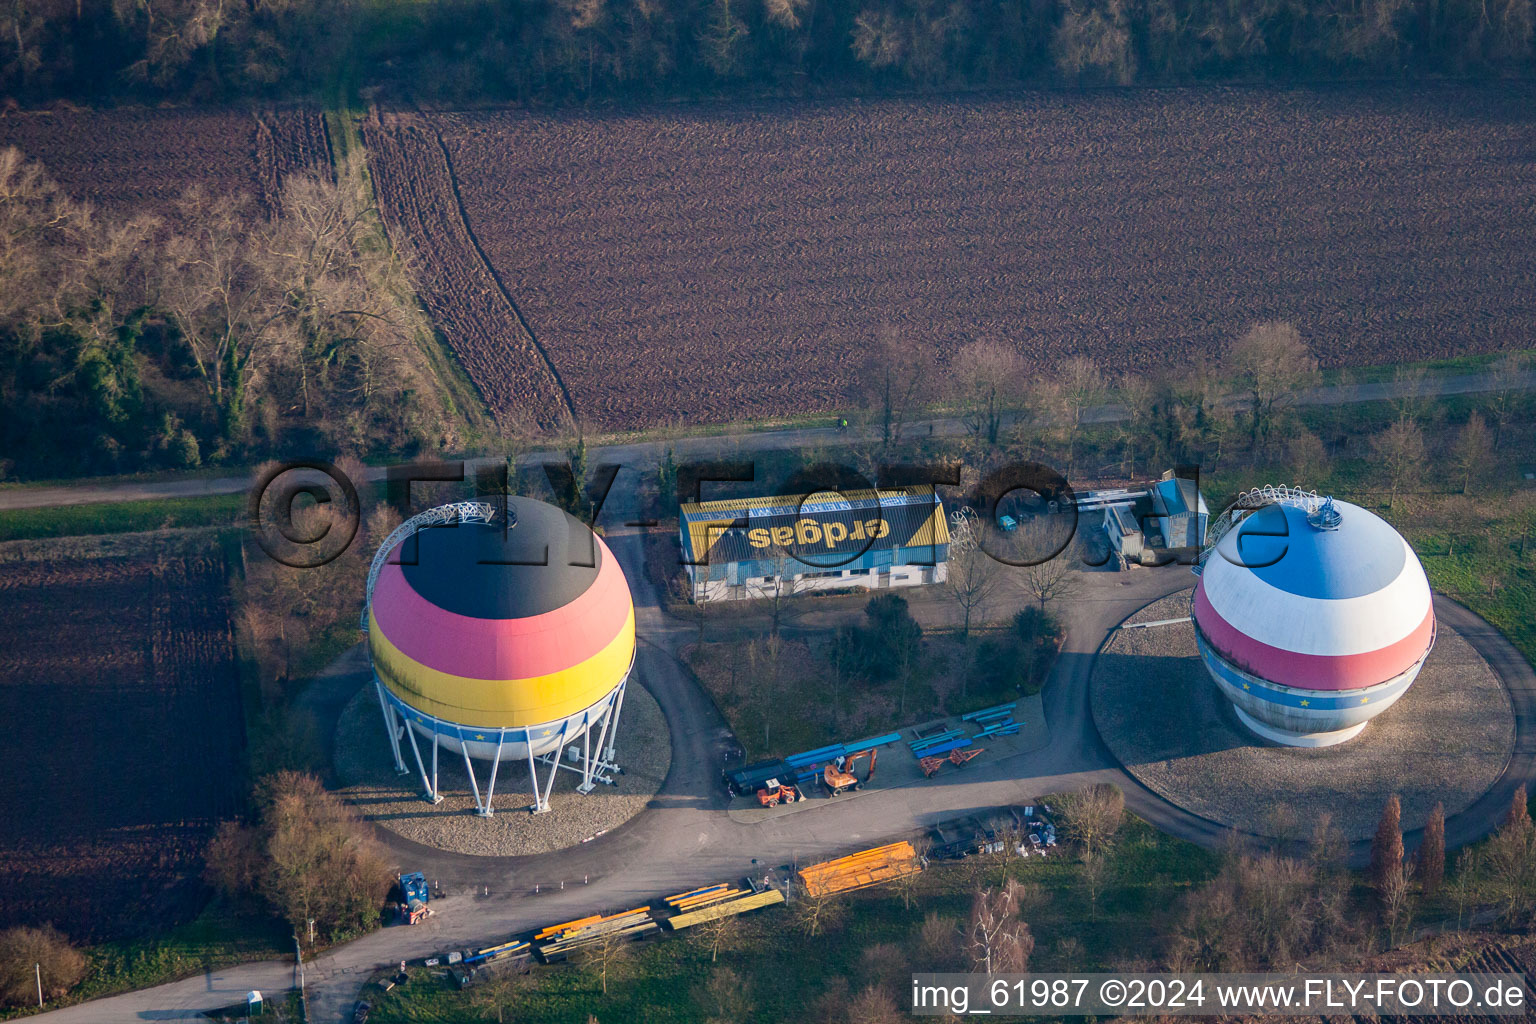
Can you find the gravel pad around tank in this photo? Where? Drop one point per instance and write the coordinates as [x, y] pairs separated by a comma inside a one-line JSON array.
[[366, 770], [1447, 739]]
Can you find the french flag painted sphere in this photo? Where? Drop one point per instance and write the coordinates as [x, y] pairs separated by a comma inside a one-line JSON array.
[[1311, 631]]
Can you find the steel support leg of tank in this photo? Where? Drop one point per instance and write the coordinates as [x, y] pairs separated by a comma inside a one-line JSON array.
[[586, 785], [549, 787], [392, 727], [490, 789], [602, 738], [618, 707], [536, 807], [470, 771], [437, 794], [430, 796]]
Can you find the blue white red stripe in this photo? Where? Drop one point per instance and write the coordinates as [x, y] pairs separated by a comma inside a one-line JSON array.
[[1316, 609]]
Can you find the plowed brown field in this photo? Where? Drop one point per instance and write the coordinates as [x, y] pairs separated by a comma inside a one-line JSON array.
[[121, 705], [733, 262], [461, 291], [143, 159]]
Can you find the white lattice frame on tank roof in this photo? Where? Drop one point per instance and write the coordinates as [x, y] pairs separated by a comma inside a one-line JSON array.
[[1251, 501], [458, 512]]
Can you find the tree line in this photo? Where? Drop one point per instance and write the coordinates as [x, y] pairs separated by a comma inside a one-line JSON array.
[[540, 51], [208, 333]]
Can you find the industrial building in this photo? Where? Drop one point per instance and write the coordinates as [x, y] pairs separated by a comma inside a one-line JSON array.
[[1164, 522], [500, 635], [1312, 615], [736, 549]]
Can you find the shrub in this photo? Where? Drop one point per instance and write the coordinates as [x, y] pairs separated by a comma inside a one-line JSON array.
[[891, 635], [308, 857], [24, 951]]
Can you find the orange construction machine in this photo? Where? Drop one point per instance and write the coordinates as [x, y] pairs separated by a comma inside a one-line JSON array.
[[837, 778], [775, 792]]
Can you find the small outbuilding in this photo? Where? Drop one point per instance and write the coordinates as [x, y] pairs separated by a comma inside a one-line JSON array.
[[1165, 521]]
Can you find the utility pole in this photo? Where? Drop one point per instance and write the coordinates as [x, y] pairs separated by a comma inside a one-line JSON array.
[[39, 969]]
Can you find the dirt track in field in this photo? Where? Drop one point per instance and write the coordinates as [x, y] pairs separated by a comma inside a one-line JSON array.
[[721, 263], [125, 739]]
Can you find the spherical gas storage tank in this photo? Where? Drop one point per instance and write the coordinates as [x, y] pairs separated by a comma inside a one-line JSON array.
[[501, 638], [1313, 617]]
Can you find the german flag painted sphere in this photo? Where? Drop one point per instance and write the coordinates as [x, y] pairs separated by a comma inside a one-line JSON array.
[[1312, 621], [504, 636]]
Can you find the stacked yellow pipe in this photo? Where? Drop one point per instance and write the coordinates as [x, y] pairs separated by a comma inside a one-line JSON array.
[[728, 908], [856, 871]]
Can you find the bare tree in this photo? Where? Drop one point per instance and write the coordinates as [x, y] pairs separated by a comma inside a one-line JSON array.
[[986, 374], [33, 957], [1093, 39], [175, 32], [498, 993], [1093, 815], [1326, 847], [1464, 885], [971, 573], [1507, 377], [1431, 857], [316, 860], [910, 887], [36, 219], [784, 583], [1270, 363], [725, 997], [607, 954], [938, 937], [874, 1006], [217, 293], [1411, 393], [999, 942], [1399, 452], [896, 377], [1510, 856], [1050, 580], [1387, 845], [1079, 385], [1474, 451], [1133, 427], [1262, 912], [785, 13], [717, 933], [1396, 893], [1309, 456], [767, 658], [817, 912], [1093, 880]]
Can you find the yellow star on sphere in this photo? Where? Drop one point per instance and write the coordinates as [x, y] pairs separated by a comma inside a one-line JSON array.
[[1246, 686], [479, 735], [1365, 700], [1306, 703]]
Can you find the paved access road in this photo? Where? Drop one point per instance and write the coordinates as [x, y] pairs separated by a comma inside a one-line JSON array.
[[722, 446]]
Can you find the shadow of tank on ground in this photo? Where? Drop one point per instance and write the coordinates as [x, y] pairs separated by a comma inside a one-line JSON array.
[[366, 770], [1446, 740]]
